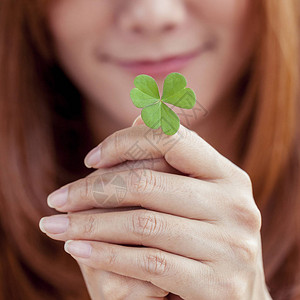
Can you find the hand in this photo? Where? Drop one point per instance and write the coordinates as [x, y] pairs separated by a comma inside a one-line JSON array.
[[106, 285], [201, 230], [111, 286]]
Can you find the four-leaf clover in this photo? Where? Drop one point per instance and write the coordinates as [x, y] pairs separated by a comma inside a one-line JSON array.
[[155, 112]]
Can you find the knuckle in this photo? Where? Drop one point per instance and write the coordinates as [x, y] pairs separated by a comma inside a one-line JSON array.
[[245, 250], [247, 214], [142, 181], [85, 188], [244, 179], [89, 227], [97, 195], [155, 263], [117, 141], [255, 219], [146, 224], [248, 250], [110, 257]]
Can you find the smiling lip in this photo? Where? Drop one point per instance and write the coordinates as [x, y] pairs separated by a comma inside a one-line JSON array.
[[159, 68]]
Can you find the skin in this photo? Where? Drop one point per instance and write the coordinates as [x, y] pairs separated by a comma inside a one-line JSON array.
[[193, 250], [121, 29], [190, 208]]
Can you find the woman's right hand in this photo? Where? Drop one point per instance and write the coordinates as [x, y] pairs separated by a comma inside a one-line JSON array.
[[104, 285]]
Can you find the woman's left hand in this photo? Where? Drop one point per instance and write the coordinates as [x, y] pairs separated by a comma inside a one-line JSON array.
[[201, 231]]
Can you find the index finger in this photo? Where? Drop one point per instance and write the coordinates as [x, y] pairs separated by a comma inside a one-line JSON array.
[[186, 151]]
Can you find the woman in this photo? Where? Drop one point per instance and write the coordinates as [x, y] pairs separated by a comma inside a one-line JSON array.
[[67, 68]]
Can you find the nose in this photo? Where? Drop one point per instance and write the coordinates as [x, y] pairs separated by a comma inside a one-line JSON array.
[[152, 17]]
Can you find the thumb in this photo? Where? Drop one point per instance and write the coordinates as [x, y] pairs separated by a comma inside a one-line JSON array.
[[137, 121]]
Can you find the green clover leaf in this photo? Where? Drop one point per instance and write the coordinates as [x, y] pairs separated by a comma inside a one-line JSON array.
[[155, 112]]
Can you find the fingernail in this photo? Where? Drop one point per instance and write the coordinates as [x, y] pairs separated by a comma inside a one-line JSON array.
[[78, 248], [58, 198], [93, 157], [54, 224]]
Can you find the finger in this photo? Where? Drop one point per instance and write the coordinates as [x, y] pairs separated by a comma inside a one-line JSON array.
[[96, 211], [186, 151], [58, 198], [170, 193], [110, 285], [180, 275], [157, 164], [139, 227]]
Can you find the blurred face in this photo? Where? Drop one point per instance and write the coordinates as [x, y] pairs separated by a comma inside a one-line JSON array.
[[103, 44]]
